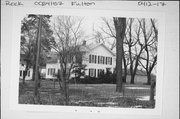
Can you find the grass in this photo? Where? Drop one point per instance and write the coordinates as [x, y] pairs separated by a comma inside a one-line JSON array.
[[98, 95]]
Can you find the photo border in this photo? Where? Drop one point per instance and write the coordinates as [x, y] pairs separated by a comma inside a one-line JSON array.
[[19, 13]]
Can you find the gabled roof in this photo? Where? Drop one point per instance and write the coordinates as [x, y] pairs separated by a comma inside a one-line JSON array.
[[92, 46], [52, 57]]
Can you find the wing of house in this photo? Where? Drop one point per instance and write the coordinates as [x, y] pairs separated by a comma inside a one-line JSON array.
[[22, 67], [97, 58], [52, 65]]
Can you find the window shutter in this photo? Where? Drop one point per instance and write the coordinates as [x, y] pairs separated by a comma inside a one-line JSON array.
[[29, 73], [106, 59], [95, 58], [111, 60], [103, 60], [89, 58], [94, 72], [98, 59], [20, 73], [89, 72], [48, 71]]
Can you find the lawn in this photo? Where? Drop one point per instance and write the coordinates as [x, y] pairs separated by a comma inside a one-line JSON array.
[[98, 95]]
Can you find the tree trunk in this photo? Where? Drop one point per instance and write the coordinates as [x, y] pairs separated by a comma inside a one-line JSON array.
[[125, 74], [125, 67], [152, 90], [132, 78], [66, 92], [131, 72], [37, 80], [148, 78], [120, 26], [65, 88]]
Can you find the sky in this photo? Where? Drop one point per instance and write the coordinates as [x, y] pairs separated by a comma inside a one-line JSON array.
[[88, 24]]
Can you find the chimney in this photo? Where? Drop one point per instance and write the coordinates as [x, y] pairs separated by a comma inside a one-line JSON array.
[[84, 42]]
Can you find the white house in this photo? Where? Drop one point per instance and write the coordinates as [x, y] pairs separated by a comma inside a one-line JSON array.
[[97, 58], [22, 69]]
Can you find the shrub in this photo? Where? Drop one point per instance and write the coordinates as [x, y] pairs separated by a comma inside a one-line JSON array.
[[108, 77]]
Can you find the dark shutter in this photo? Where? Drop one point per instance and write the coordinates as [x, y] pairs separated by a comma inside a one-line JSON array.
[[111, 61], [106, 59], [20, 73], [94, 72], [98, 59], [95, 58], [48, 71], [89, 58], [29, 73], [103, 60]]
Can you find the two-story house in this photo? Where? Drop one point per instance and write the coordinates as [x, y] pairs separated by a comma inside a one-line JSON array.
[[97, 58]]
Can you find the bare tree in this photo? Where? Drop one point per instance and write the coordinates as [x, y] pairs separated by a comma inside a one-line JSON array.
[[120, 26], [150, 41], [149, 58], [107, 34], [68, 33], [134, 44]]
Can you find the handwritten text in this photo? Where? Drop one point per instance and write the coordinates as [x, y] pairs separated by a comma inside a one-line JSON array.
[[151, 3], [48, 3], [13, 3], [82, 3]]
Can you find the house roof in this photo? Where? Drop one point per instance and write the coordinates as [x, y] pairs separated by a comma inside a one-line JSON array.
[[53, 56], [93, 46]]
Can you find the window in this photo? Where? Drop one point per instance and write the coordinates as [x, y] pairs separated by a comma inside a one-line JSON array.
[[100, 71], [92, 59], [20, 73], [48, 71], [92, 72], [109, 60], [89, 58], [28, 73], [51, 71], [101, 60]]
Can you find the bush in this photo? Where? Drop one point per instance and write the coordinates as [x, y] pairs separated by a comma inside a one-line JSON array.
[[86, 80], [108, 77]]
